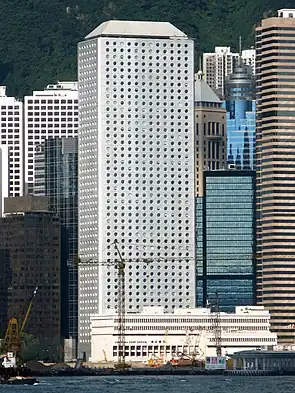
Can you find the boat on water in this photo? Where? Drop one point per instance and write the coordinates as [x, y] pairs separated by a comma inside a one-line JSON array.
[[21, 381]]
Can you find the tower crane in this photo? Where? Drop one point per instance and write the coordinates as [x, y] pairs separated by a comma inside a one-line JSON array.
[[216, 326], [120, 265]]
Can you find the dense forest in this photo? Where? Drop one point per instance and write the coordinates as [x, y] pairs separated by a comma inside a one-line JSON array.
[[39, 38]]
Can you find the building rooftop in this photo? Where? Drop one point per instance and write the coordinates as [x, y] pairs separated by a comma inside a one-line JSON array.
[[68, 85], [286, 13], [254, 311], [124, 28], [2, 91], [263, 353], [25, 204], [204, 93], [60, 89], [222, 49]]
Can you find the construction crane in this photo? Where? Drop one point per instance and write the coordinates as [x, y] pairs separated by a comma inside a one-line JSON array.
[[105, 356], [12, 339], [216, 326], [189, 358], [28, 311], [120, 265]]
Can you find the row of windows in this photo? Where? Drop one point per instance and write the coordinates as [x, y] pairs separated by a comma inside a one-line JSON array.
[[192, 320], [119, 53], [143, 43], [48, 101], [10, 107], [230, 329], [50, 119], [37, 114], [243, 339]]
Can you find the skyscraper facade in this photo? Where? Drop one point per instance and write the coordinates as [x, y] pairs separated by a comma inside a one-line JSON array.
[[30, 257], [4, 175], [48, 113], [136, 167], [11, 132], [225, 239], [210, 132], [275, 152], [240, 120], [221, 63], [56, 176]]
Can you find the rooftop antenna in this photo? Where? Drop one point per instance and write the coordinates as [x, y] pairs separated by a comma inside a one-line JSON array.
[[200, 74], [240, 50]]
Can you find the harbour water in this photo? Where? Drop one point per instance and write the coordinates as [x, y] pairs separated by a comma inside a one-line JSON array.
[[160, 384]]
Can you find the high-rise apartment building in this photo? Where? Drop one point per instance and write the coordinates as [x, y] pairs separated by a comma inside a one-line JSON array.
[[221, 63], [56, 176], [48, 113], [225, 239], [210, 132], [275, 155], [11, 133], [136, 167], [4, 175], [30, 257], [249, 58], [241, 116]]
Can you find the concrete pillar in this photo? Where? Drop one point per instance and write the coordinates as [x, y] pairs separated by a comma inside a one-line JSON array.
[[234, 364], [256, 363], [263, 363]]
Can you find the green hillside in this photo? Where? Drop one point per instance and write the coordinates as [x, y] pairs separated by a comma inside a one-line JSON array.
[[39, 38]]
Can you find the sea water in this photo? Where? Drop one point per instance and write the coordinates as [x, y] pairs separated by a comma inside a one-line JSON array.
[[158, 384]]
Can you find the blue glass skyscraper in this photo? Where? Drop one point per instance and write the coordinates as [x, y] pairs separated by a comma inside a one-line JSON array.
[[240, 118], [225, 239]]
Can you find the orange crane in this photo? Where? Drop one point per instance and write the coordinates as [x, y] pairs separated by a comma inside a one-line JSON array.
[[12, 339]]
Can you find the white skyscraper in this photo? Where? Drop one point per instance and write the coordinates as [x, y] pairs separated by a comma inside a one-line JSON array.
[[11, 131], [136, 167], [52, 112], [221, 63], [249, 58], [4, 177]]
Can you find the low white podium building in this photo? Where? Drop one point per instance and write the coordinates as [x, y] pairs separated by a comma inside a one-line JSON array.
[[154, 333]]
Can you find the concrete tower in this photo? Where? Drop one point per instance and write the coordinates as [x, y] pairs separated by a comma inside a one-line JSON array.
[[210, 135], [136, 167], [275, 152]]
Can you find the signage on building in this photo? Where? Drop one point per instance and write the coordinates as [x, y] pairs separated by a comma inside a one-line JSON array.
[[9, 360], [215, 363]]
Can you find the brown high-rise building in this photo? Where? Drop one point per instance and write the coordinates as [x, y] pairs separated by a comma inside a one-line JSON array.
[[210, 132], [30, 257], [275, 154]]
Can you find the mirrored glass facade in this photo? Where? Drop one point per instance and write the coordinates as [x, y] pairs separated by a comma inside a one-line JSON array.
[[225, 239], [241, 118], [240, 131], [56, 176]]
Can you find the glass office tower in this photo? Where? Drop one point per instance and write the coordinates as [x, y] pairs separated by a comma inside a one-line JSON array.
[[240, 118], [225, 239], [56, 176]]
